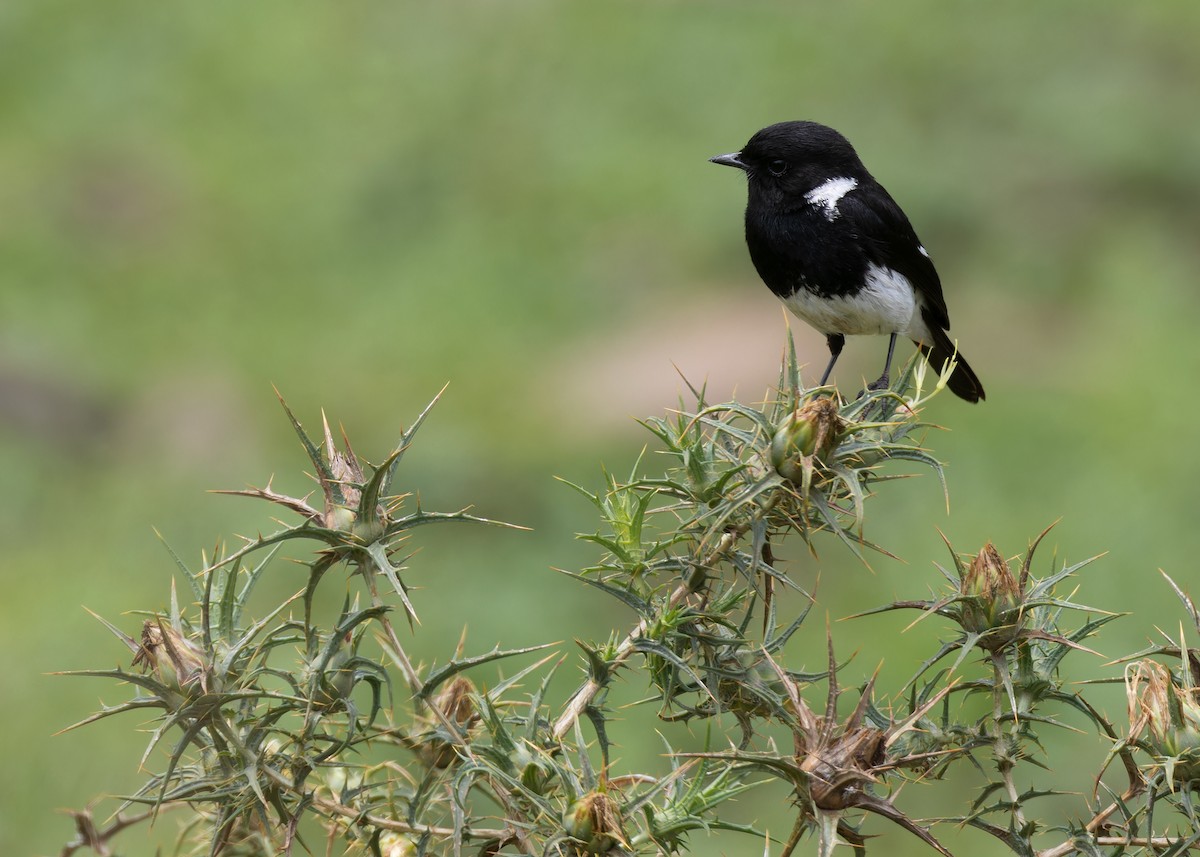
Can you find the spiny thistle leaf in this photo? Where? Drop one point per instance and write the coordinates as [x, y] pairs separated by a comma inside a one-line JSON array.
[[437, 676]]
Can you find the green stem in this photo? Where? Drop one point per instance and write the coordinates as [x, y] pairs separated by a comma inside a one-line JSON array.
[[1001, 742]]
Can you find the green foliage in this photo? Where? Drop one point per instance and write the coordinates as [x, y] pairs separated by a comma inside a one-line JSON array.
[[278, 732]]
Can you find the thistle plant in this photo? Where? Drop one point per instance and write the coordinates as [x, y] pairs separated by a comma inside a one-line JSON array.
[[307, 727]]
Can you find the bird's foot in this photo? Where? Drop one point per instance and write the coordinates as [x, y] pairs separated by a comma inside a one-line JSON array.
[[880, 383], [875, 410]]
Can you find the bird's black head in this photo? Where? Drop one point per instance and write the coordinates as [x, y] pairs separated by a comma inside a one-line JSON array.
[[789, 159]]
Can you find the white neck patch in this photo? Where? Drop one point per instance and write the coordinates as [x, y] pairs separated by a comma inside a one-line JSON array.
[[827, 194]]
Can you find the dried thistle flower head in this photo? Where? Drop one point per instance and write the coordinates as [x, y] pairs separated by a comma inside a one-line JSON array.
[[812, 430], [840, 770], [454, 700], [595, 822], [177, 661], [1168, 713], [835, 765], [342, 479], [455, 703], [344, 466], [990, 593]]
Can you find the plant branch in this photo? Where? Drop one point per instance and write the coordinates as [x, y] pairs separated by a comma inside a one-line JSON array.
[[90, 836], [584, 696], [1098, 821]]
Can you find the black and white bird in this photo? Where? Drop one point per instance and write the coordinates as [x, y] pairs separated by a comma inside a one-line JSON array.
[[835, 247]]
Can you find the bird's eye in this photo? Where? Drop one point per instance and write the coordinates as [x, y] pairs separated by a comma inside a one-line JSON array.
[[777, 167]]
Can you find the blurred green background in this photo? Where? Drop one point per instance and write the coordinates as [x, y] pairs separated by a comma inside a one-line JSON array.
[[360, 202]]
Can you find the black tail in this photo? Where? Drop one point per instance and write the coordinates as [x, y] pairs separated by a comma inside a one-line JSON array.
[[963, 383]]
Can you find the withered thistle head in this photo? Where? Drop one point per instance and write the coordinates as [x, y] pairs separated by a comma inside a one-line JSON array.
[[454, 702], [594, 821], [812, 430], [840, 771], [342, 478], [1168, 714], [836, 765], [176, 660]]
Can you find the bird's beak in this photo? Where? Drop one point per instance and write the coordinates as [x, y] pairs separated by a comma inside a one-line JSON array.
[[733, 159]]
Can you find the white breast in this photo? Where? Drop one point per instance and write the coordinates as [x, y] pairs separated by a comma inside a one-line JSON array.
[[886, 304]]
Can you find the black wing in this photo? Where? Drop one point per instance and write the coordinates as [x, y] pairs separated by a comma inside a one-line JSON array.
[[889, 240]]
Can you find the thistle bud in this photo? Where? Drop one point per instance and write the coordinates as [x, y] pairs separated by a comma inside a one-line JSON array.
[[337, 681], [340, 518], [177, 661], [990, 593], [595, 822], [368, 530], [346, 471], [1169, 714], [536, 773], [811, 430]]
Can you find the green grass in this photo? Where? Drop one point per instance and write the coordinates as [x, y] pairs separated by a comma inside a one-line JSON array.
[[361, 203]]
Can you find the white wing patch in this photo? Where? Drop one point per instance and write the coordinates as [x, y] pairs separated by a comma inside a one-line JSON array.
[[886, 303], [827, 194], [921, 249]]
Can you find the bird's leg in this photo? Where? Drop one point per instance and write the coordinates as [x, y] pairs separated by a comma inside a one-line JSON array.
[[884, 380], [835, 341]]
